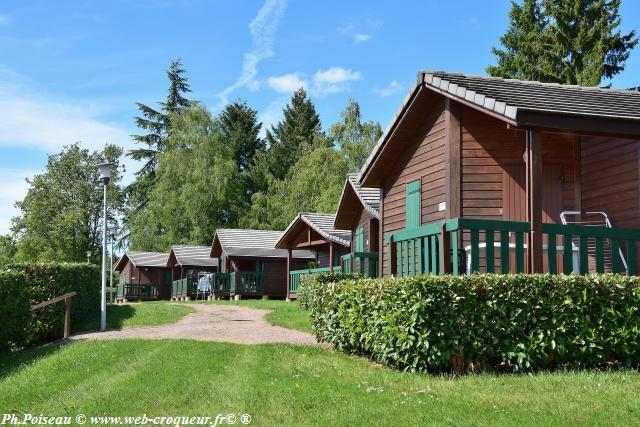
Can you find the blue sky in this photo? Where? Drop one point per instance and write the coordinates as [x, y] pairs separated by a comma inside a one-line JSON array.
[[73, 70]]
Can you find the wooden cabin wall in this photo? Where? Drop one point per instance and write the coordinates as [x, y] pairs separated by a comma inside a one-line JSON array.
[[275, 272], [610, 179], [371, 228], [493, 170], [423, 160]]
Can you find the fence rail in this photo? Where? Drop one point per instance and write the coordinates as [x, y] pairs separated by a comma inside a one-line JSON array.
[[137, 291], [467, 245], [295, 275], [365, 263]]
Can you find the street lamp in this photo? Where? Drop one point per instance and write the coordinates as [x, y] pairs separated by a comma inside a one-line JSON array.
[[105, 176], [88, 257], [112, 237]]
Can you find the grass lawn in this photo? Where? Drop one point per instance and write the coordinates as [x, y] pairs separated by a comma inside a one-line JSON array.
[[288, 385], [287, 314], [138, 314]]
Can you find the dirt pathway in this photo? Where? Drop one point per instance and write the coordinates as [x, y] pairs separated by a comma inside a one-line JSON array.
[[222, 323]]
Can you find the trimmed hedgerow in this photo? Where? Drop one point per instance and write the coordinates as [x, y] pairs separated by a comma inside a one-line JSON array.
[[480, 322], [14, 309], [45, 281]]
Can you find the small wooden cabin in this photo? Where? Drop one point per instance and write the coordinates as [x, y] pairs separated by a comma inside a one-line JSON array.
[[490, 174], [358, 211], [143, 276], [251, 266], [188, 263], [314, 232]]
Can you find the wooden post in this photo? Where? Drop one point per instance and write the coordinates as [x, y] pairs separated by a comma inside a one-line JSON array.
[[381, 236], [331, 256], [393, 257], [534, 200], [452, 158], [67, 317], [289, 256]]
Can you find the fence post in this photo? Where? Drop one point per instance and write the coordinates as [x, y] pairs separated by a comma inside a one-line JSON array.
[[67, 317], [445, 256]]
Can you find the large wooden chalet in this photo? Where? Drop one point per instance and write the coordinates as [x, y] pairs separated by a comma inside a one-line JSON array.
[[313, 232], [143, 276], [251, 266], [497, 175]]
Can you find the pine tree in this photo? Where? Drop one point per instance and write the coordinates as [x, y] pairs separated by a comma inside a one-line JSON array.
[[564, 41], [240, 127], [298, 128]]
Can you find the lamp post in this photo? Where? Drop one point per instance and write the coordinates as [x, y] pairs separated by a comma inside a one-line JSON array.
[[112, 237], [105, 176], [88, 257]]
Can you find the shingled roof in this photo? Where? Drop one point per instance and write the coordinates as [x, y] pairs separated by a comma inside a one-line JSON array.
[[193, 256], [353, 199], [254, 243], [322, 224], [143, 259], [523, 104], [510, 97]]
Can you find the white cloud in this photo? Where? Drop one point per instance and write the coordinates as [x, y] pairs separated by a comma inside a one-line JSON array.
[[390, 89], [14, 188], [262, 29], [287, 83], [333, 80], [47, 122], [361, 38], [323, 82]]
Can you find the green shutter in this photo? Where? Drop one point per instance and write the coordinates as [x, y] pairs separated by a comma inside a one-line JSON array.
[[413, 204], [359, 243]]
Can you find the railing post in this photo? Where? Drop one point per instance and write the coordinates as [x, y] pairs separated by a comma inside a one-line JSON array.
[[534, 199], [445, 256], [393, 257], [67, 317], [288, 272]]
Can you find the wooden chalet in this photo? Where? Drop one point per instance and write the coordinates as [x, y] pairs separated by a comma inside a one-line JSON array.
[[313, 232], [358, 211], [143, 276], [188, 266], [498, 175], [251, 266]]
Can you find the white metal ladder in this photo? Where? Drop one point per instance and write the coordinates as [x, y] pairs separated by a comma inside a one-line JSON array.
[[593, 219]]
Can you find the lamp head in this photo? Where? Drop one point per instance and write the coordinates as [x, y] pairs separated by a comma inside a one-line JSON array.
[[105, 172]]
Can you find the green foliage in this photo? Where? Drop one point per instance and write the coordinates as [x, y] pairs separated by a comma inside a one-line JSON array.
[[35, 283], [197, 188], [481, 322], [61, 215], [313, 184], [14, 309], [7, 250], [563, 41], [354, 138], [297, 129]]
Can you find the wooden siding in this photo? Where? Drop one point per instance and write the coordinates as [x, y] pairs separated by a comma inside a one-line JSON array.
[[423, 160], [147, 275], [275, 273]]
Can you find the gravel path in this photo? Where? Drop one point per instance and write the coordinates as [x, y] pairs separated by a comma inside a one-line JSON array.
[[222, 323]]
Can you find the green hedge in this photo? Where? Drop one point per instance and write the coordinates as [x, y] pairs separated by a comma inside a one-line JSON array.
[[45, 281], [14, 309], [480, 322]]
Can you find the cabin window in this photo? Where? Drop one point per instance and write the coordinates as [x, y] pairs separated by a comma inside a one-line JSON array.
[[336, 257], [413, 204], [359, 240]]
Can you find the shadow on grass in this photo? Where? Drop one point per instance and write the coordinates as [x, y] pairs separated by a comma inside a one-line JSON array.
[[116, 316], [10, 363]]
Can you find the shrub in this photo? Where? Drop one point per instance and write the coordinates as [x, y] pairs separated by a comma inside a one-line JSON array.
[[45, 281], [14, 309], [480, 322]]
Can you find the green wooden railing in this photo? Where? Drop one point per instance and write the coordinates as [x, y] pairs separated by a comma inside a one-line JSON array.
[[241, 282], [493, 246], [295, 275], [601, 245], [186, 287], [365, 263], [137, 291]]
